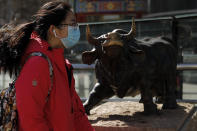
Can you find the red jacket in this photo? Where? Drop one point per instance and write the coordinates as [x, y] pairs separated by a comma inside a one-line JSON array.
[[64, 110]]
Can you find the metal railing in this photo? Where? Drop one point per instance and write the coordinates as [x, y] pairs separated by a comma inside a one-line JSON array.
[[187, 66], [92, 66], [180, 67]]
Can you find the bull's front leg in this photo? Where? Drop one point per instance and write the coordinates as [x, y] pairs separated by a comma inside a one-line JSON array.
[[122, 85], [147, 98], [98, 93]]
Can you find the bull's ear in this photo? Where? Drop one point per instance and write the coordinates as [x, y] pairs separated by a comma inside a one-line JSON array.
[[134, 50], [88, 57], [136, 54]]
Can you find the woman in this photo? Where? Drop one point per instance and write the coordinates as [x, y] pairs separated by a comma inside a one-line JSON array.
[[53, 29]]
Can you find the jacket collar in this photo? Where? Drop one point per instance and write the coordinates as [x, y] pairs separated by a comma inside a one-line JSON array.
[[37, 44], [44, 44]]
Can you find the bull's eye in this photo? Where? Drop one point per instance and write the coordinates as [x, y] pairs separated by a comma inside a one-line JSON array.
[[105, 41], [102, 40]]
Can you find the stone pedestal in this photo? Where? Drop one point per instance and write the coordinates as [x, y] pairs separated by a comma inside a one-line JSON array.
[[128, 116]]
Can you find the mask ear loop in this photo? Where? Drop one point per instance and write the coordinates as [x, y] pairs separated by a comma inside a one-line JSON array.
[[54, 33]]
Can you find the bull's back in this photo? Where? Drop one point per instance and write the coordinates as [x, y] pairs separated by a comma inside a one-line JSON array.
[[160, 54]]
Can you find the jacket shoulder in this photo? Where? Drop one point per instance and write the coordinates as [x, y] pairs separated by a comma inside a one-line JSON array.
[[35, 64]]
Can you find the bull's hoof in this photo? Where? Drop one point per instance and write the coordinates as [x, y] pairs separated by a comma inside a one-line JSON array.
[[159, 100], [141, 100], [150, 109], [170, 105], [87, 110]]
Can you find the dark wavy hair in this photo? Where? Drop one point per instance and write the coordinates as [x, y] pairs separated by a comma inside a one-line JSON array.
[[14, 39]]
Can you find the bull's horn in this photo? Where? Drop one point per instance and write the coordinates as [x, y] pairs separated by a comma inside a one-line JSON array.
[[132, 32], [92, 40]]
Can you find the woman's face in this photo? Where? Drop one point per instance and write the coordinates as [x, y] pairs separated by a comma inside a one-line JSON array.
[[62, 30], [63, 27]]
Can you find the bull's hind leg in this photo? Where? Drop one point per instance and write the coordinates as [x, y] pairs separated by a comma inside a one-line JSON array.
[[149, 106], [169, 96], [146, 96], [98, 93]]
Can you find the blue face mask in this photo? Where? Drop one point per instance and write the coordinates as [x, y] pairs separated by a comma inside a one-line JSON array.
[[72, 38]]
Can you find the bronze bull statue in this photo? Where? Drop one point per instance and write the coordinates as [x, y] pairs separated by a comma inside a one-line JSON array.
[[126, 66]]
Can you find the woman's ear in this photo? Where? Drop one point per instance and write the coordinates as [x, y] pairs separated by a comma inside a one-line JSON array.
[[52, 31]]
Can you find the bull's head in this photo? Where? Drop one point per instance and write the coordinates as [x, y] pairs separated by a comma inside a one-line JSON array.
[[109, 45]]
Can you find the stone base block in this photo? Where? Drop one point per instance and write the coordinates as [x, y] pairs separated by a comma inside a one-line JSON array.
[[128, 116]]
